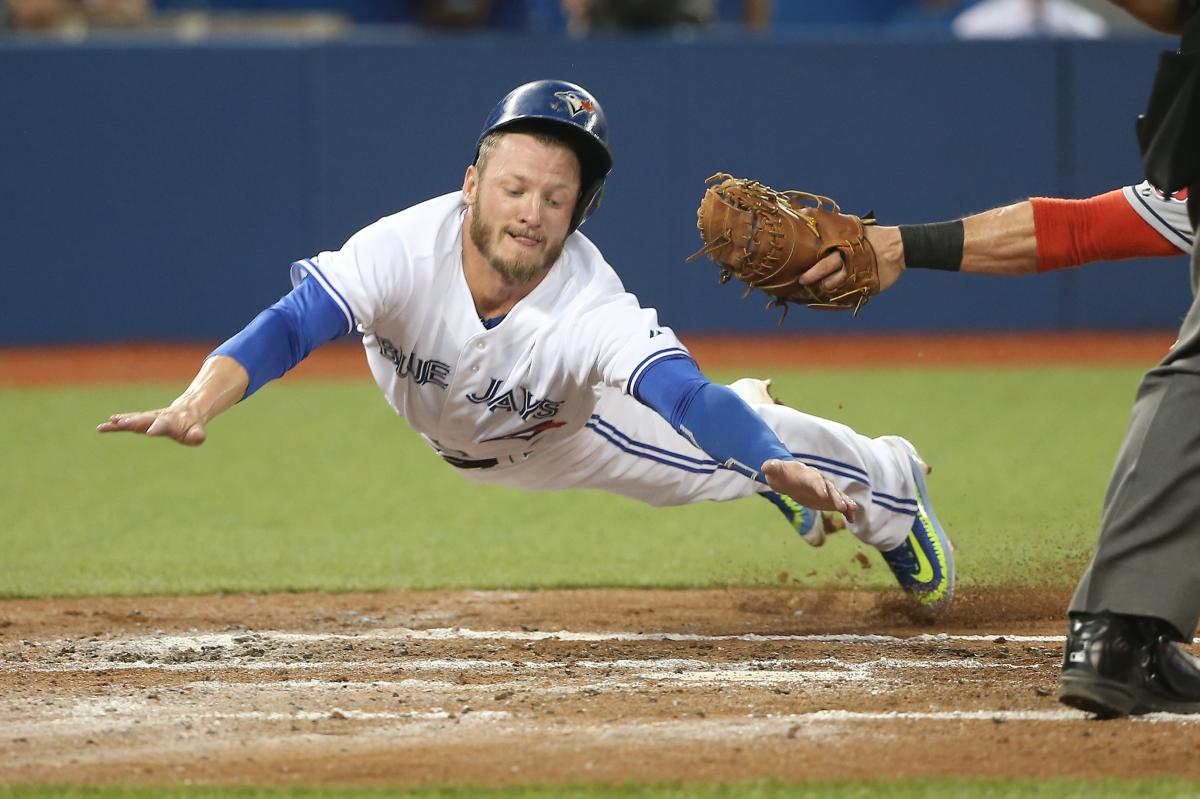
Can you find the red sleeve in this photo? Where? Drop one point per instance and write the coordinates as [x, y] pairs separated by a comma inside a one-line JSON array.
[[1101, 228]]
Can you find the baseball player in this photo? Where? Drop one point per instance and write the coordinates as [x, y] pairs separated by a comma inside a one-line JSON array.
[[1037, 235], [499, 332]]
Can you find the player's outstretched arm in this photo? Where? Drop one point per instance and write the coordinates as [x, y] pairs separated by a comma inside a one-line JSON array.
[[718, 421], [1036, 235], [275, 341], [1001, 241], [219, 384]]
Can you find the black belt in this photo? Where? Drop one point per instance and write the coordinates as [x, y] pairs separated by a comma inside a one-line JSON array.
[[460, 463]]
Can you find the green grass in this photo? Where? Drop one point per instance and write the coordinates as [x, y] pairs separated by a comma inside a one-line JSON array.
[[320, 486], [959, 789]]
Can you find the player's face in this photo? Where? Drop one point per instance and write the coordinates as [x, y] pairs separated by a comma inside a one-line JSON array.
[[521, 205]]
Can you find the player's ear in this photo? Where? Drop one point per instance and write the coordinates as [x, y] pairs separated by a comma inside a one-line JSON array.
[[470, 185]]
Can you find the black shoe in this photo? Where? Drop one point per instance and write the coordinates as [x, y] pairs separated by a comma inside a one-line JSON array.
[[1117, 665]]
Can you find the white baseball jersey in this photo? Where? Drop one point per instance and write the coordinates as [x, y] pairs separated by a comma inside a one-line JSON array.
[[547, 392], [1166, 213], [475, 393]]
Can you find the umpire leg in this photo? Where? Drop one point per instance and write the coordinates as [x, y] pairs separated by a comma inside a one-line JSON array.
[[1147, 561], [1141, 594]]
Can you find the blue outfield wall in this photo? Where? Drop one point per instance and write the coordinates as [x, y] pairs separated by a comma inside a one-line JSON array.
[[154, 190]]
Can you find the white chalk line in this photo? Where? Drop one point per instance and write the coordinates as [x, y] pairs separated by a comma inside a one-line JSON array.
[[183, 652], [113, 708], [111, 714], [477, 666], [463, 633], [339, 714], [211, 641]]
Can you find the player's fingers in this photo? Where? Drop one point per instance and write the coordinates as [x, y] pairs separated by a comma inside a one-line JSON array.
[[836, 279], [827, 267], [838, 500], [847, 506], [128, 422]]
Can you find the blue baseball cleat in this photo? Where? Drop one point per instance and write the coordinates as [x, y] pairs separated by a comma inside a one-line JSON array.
[[924, 563]]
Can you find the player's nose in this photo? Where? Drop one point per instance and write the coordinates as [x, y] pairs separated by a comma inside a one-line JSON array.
[[531, 209]]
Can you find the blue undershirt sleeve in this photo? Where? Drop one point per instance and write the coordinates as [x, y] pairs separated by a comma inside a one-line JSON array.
[[711, 416], [284, 334]]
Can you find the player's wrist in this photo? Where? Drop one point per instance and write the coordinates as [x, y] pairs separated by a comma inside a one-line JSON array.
[[219, 385], [938, 245], [191, 409], [889, 252]]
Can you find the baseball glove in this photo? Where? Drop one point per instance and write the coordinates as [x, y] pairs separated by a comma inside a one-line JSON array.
[[767, 239]]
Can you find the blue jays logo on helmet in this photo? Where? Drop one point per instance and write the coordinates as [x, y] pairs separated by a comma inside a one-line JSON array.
[[576, 104], [574, 107]]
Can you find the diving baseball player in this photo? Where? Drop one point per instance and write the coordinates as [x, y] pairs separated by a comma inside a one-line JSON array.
[[502, 336]]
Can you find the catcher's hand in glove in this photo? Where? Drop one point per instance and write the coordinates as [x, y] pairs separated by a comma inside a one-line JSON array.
[[769, 239]]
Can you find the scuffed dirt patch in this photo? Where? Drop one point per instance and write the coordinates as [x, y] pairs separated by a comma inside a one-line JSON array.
[[550, 686]]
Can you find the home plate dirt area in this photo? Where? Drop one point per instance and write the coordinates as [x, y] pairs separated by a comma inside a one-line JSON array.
[[576, 686]]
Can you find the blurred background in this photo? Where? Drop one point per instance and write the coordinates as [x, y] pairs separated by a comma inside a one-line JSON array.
[[165, 160]]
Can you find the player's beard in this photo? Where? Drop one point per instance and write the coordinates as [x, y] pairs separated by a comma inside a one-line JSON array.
[[515, 270]]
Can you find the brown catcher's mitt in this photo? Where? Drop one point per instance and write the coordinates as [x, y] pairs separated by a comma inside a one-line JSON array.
[[767, 239]]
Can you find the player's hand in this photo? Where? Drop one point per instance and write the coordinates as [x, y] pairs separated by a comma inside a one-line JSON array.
[[177, 422], [830, 271], [808, 486], [219, 384]]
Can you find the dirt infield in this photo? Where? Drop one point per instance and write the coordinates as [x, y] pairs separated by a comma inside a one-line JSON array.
[[133, 363], [549, 687]]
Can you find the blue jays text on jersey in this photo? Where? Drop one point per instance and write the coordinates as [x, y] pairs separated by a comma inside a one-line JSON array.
[[527, 407], [419, 370]]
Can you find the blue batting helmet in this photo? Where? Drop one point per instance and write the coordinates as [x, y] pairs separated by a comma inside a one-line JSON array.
[[574, 110]]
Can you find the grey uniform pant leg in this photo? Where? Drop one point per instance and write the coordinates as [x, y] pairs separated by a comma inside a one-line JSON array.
[[1147, 561]]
